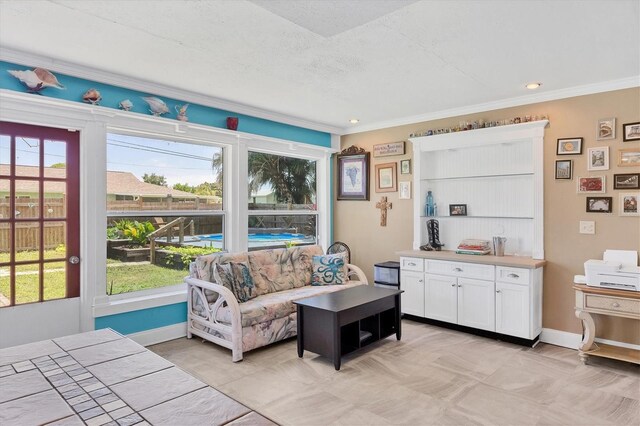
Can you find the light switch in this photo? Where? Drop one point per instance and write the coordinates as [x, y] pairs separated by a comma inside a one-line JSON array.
[[587, 227]]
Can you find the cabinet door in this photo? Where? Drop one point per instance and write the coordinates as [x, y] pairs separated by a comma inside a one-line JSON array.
[[476, 304], [440, 298], [512, 309], [413, 297]]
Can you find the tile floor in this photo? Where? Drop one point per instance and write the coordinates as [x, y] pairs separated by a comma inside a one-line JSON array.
[[432, 376]]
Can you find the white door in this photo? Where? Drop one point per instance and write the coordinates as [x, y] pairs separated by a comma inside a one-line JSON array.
[[476, 303], [440, 298], [413, 297], [512, 309]]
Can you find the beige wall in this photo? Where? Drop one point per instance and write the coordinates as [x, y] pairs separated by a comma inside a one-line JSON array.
[[357, 222]]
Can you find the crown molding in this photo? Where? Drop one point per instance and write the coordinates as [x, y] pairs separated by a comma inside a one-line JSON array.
[[570, 92], [89, 73]]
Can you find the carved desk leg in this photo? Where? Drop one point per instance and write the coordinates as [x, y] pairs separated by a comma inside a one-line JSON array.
[[589, 333]]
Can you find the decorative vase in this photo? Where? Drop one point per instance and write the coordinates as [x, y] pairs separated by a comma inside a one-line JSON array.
[[232, 123]]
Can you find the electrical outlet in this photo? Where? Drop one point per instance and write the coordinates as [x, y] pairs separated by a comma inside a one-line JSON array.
[[587, 227]]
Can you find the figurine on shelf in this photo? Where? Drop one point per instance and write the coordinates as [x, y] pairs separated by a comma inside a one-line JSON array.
[[181, 111], [433, 229]]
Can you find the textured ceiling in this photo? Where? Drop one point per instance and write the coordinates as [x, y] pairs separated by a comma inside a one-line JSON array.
[[334, 60]]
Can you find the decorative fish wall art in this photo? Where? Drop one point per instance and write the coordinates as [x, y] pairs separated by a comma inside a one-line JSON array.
[[157, 106], [37, 79]]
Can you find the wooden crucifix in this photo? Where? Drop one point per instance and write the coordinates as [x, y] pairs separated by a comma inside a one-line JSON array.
[[383, 205]]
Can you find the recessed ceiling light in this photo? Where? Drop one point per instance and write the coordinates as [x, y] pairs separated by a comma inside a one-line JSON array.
[[533, 86], [354, 121]]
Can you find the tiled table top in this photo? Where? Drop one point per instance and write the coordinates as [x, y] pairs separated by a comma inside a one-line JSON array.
[[103, 378]]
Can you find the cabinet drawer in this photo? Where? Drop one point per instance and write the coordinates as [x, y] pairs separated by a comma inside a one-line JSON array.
[[613, 304], [412, 264], [460, 269], [512, 275]]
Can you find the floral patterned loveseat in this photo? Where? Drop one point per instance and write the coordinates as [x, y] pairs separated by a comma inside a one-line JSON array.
[[280, 277]]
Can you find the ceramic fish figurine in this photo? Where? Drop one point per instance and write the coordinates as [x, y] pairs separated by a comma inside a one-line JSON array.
[[157, 106], [37, 79], [181, 110], [125, 105], [92, 96]]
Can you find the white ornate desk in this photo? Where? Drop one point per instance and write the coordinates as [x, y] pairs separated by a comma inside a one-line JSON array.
[[604, 301]]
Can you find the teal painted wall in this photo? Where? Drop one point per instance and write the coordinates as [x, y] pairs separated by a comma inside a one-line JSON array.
[[208, 116], [144, 319]]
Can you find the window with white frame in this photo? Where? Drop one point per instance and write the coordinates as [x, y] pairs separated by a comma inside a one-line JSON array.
[[164, 207], [282, 207]]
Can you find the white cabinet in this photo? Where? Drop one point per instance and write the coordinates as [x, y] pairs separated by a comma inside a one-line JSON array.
[[441, 298], [512, 309], [503, 299], [476, 303], [412, 300]]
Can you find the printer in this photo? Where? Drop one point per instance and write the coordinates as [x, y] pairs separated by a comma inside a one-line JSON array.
[[618, 269]]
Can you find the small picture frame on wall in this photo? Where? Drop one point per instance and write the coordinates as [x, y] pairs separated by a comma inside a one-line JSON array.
[[599, 204], [564, 169], [405, 167], [405, 190], [629, 157], [592, 185], [598, 158], [626, 181], [569, 146], [631, 132], [457, 209], [629, 203], [606, 129], [386, 177]]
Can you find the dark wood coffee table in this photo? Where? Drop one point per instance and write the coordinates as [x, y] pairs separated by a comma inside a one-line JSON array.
[[336, 324]]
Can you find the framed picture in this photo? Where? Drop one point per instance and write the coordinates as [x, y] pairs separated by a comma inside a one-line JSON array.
[[598, 158], [599, 204], [405, 167], [626, 181], [606, 129], [353, 177], [592, 184], [569, 146], [457, 209], [564, 169], [405, 190], [631, 132], [386, 175], [629, 157], [629, 204]]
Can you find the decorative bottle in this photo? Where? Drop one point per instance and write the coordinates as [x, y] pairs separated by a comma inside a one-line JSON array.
[[429, 208]]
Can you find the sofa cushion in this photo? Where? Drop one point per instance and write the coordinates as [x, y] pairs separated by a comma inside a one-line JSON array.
[[282, 269], [243, 285], [271, 306], [202, 266], [329, 269]]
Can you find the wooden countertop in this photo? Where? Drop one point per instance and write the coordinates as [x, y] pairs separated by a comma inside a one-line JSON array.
[[603, 291], [513, 261]]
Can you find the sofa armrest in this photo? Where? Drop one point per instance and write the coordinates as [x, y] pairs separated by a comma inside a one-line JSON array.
[[196, 286], [354, 271]]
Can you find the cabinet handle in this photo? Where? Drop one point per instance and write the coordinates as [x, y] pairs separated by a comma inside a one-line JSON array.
[[457, 270], [411, 264], [513, 276], [453, 285], [419, 281], [615, 304], [498, 291], [459, 285]]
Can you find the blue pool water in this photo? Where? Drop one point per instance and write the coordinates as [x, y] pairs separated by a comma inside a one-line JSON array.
[[272, 238]]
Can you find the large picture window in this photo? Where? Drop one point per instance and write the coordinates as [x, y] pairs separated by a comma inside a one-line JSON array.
[[282, 201], [164, 207]]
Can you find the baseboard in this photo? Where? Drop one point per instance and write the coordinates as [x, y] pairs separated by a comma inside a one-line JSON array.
[[572, 340], [160, 334]]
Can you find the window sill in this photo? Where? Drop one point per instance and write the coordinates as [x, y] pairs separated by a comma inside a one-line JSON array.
[[121, 303]]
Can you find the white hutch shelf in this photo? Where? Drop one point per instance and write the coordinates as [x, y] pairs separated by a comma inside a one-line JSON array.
[[497, 172]]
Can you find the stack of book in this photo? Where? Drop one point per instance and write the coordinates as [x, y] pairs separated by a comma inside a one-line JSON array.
[[474, 247]]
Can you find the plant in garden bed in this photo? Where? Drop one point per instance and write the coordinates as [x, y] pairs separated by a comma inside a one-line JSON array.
[[138, 232], [186, 255]]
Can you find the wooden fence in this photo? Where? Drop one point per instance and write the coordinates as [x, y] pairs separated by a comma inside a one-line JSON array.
[[28, 234]]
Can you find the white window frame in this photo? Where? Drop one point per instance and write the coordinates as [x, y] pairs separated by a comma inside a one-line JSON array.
[[94, 122]]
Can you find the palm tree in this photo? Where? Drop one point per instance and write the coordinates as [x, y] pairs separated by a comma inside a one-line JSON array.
[[293, 180]]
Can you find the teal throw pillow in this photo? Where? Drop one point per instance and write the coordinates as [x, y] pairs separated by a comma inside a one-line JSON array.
[[243, 286], [329, 269]]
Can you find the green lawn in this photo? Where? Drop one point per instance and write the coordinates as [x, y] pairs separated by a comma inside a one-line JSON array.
[[122, 278]]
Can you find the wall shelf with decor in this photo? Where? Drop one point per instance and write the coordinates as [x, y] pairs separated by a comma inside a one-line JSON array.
[[496, 172]]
